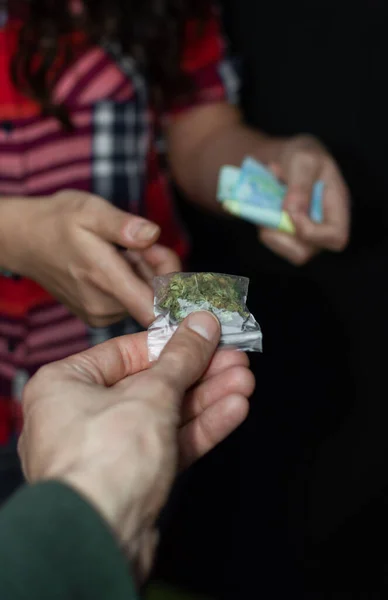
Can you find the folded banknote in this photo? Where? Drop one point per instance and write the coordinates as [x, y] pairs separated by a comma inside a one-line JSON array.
[[254, 194]]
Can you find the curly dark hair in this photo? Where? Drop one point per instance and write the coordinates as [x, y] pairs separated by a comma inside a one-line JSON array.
[[152, 31]]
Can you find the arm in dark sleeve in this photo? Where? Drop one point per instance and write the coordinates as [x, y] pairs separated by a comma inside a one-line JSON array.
[[53, 544]]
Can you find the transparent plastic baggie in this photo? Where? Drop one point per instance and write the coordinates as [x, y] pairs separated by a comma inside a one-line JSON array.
[[179, 294]]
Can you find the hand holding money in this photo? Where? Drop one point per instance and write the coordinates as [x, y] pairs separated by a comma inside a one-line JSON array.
[[254, 194], [300, 202]]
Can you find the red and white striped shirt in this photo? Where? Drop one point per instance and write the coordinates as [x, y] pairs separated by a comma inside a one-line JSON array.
[[112, 152]]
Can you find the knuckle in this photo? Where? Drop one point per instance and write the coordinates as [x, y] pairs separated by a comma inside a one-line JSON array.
[[77, 272], [299, 259], [306, 231], [193, 348], [340, 243], [96, 318], [306, 158], [65, 194], [36, 386], [71, 229], [73, 200], [87, 210], [162, 394], [329, 165], [88, 201], [96, 311], [241, 380], [309, 142], [268, 236], [162, 386], [171, 254], [100, 312], [28, 396], [169, 257], [84, 209], [189, 346], [94, 322]]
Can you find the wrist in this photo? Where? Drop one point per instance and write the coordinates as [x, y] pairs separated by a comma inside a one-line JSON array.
[[17, 221], [14, 219], [270, 149], [242, 140], [96, 491]]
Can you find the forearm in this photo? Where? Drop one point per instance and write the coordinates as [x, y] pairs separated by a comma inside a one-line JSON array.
[[229, 147], [14, 222], [226, 141]]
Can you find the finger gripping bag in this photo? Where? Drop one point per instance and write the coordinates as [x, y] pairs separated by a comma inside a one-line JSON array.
[[179, 294]]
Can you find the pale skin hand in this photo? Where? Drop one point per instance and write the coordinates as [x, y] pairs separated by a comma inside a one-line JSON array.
[[204, 139], [69, 248], [116, 429], [300, 162]]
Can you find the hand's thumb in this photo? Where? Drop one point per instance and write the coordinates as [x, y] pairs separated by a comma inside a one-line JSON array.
[[119, 227], [189, 352]]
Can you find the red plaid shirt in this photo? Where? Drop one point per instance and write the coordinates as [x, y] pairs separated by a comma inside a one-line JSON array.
[[113, 152]]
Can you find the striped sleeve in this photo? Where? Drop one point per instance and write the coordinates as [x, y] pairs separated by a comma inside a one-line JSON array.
[[209, 66]]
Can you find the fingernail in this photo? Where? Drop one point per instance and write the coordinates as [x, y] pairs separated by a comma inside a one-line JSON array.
[[144, 231], [205, 324]]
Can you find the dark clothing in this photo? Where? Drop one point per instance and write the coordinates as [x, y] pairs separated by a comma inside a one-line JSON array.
[[296, 501], [54, 546], [11, 476]]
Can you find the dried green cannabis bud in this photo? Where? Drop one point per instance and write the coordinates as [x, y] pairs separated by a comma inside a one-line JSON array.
[[184, 293], [179, 294]]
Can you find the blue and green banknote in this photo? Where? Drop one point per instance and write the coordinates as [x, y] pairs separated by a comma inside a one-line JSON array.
[[254, 194]]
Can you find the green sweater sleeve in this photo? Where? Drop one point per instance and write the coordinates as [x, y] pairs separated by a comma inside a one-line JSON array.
[[55, 546]]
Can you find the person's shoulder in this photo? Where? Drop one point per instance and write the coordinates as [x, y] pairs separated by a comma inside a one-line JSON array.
[[204, 42]]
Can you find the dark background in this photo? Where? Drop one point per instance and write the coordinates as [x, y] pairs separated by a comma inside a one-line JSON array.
[[296, 500]]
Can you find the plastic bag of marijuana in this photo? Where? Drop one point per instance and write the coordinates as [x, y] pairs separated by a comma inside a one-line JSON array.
[[179, 294]]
